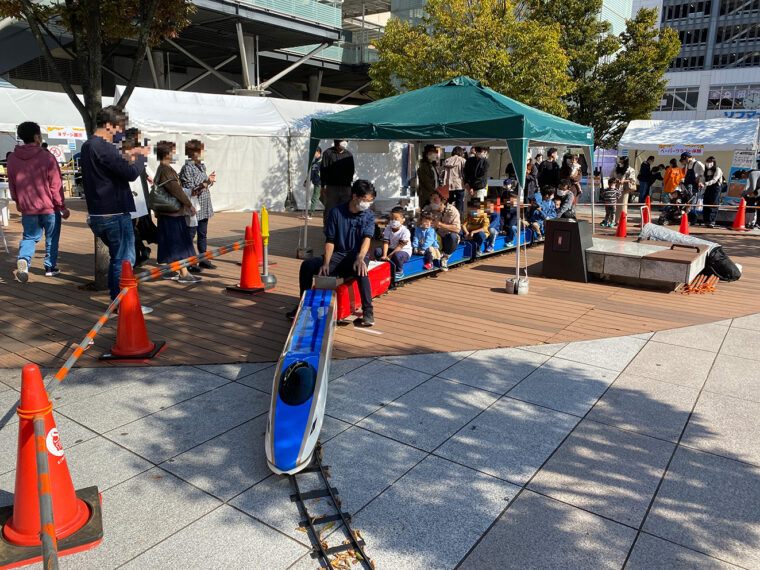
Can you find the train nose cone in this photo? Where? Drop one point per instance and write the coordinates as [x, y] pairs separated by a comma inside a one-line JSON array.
[[297, 383], [291, 418]]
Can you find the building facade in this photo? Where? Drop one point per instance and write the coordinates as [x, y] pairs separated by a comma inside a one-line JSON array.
[[717, 71]]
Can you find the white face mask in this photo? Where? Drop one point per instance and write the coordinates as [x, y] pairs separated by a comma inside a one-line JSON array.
[[363, 206], [561, 193], [483, 155], [395, 224], [434, 206], [432, 157], [710, 164], [343, 144], [175, 157]]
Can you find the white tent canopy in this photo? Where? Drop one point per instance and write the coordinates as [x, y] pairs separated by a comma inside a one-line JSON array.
[[46, 108], [714, 134]]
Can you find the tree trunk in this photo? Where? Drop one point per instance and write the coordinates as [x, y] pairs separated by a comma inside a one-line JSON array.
[[102, 261]]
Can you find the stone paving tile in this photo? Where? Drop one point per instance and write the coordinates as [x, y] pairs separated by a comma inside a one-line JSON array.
[[750, 322], [113, 408], [711, 504], [677, 365], [738, 341], [547, 349], [83, 383], [433, 363], [10, 378], [235, 371], [332, 427], [224, 538], [606, 471], [101, 462], [537, 532], [613, 353], [261, 379], [735, 376], [363, 463], [510, 440], [704, 337], [652, 552], [726, 426], [228, 464], [364, 390], [496, 370], [138, 514], [432, 516], [171, 431], [340, 368], [430, 414], [647, 406], [643, 336], [565, 386]]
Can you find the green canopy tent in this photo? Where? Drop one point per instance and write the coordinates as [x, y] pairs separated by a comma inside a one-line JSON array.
[[457, 111]]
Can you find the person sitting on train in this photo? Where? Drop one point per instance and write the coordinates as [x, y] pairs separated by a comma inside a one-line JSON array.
[[446, 222], [425, 241], [348, 231], [397, 242], [475, 225], [567, 205], [510, 217], [494, 224], [535, 215]]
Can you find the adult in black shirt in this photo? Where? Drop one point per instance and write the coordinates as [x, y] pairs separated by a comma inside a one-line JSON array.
[[548, 170], [336, 173], [476, 173]]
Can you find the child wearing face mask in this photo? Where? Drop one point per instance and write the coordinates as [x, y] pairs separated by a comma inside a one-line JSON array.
[[425, 241], [475, 226], [610, 197], [397, 246], [494, 224]]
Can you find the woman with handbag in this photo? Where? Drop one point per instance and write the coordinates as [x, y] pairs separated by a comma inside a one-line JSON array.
[[171, 204]]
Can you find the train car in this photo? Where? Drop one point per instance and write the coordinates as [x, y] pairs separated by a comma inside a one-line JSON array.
[[501, 244], [348, 300], [299, 389], [415, 266]]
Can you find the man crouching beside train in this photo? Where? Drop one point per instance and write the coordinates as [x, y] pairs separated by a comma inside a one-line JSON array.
[[348, 231]]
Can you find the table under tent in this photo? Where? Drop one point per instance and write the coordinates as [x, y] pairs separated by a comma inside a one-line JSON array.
[[460, 111]]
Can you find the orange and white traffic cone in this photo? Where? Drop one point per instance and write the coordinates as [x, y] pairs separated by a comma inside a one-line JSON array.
[[622, 229], [740, 216], [684, 229], [77, 515], [132, 342], [250, 278], [645, 215]]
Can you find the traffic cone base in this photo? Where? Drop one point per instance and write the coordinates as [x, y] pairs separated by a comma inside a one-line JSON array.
[[242, 291], [158, 347], [250, 278], [739, 225], [87, 537]]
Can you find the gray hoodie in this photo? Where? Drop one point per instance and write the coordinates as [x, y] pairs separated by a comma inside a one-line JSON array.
[[453, 173]]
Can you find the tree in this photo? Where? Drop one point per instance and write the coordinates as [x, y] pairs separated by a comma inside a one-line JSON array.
[[616, 79], [482, 39], [97, 28]]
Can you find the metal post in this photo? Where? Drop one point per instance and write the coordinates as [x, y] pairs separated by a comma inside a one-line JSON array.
[[205, 74], [258, 75], [152, 66], [290, 68], [243, 57], [203, 64], [47, 525]]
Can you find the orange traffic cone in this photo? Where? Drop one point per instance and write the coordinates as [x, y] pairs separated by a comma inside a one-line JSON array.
[[684, 229], [257, 240], [739, 219], [132, 342], [645, 215], [648, 203], [77, 515], [250, 278], [622, 230]]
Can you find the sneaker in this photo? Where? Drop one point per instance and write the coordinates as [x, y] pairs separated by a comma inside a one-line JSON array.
[[428, 266], [173, 276], [51, 271], [22, 270], [399, 275], [368, 318], [194, 269], [206, 264], [603, 224], [445, 262], [146, 310], [489, 249], [292, 313], [189, 278]]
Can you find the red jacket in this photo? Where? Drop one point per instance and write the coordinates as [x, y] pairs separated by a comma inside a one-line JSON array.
[[34, 179]]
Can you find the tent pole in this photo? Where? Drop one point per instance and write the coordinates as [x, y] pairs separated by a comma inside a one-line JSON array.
[[591, 177]]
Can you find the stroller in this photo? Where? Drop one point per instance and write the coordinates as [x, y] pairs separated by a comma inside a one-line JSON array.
[[682, 203]]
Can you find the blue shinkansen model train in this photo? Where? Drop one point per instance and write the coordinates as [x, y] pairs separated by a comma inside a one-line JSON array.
[[299, 390]]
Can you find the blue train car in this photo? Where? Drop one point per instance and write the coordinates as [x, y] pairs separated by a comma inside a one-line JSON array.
[[299, 389], [415, 266], [501, 245]]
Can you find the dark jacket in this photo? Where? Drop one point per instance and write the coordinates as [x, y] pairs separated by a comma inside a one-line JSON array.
[[106, 177], [645, 172], [167, 176], [566, 209], [476, 172], [548, 174], [337, 168], [531, 182], [426, 181], [316, 166]]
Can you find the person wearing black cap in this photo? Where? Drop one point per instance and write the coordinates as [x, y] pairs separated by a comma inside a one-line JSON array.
[[713, 186]]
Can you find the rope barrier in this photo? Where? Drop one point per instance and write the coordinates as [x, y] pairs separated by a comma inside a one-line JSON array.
[[44, 492]]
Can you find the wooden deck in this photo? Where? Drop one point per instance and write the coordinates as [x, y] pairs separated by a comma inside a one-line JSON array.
[[466, 308]]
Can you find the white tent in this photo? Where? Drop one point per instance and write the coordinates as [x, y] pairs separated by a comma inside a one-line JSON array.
[[257, 146], [713, 134]]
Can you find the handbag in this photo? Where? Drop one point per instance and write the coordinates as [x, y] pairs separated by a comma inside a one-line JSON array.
[[160, 201]]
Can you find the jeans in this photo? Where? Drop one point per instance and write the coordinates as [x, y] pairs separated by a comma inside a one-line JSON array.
[[479, 238], [644, 191], [710, 198], [456, 197], [398, 259], [511, 234], [116, 232], [609, 214], [334, 196], [492, 233], [33, 226], [341, 265], [450, 243], [202, 231]]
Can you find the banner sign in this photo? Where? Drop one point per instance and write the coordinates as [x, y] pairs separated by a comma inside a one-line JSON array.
[[677, 149], [71, 133], [744, 160]]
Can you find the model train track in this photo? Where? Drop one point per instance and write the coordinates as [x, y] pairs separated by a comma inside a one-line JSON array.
[[350, 553]]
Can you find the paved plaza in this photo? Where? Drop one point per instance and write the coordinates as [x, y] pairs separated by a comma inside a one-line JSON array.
[[639, 452]]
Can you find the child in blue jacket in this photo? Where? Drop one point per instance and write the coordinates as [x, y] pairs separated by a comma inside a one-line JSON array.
[[425, 241], [494, 225]]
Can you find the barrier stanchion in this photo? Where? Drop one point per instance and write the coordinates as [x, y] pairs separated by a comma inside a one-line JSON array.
[[47, 523], [267, 278]]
